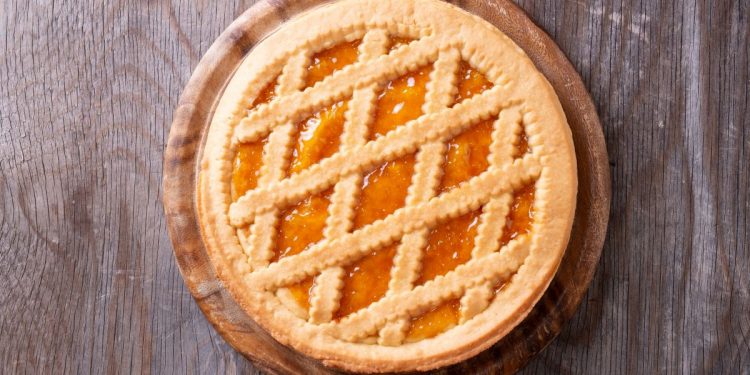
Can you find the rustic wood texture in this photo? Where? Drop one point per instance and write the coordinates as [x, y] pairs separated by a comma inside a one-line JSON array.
[[89, 282]]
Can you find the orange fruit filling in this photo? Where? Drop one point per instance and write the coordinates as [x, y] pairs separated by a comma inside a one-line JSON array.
[[249, 156], [324, 63], [384, 188], [267, 93], [400, 101], [470, 82], [246, 167], [521, 214], [448, 246], [467, 154], [302, 225], [318, 137], [433, 322], [363, 284], [522, 146]]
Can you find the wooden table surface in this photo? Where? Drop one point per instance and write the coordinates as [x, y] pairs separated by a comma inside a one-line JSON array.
[[88, 282]]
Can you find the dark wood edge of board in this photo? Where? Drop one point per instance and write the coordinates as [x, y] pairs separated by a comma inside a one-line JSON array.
[[184, 147]]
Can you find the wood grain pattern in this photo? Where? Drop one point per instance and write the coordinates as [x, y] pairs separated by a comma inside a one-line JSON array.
[[89, 282]]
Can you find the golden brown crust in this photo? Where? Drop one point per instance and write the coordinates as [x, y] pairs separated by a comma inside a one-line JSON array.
[[369, 340]]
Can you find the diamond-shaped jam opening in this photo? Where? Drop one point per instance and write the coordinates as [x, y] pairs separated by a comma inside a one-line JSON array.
[[249, 155], [301, 225], [400, 101], [325, 62], [267, 93], [449, 244], [366, 280], [470, 82], [433, 322], [246, 167], [384, 190], [522, 144], [301, 292], [467, 155], [317, 137], [521, 214]]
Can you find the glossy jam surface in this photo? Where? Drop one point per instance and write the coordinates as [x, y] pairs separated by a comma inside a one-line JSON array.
[[366, 280], [246, 167], [470, 82], [448, 245], [318, 137], [301, 292], [521, 214], [266, 94], [315, 138], [302, 225], [383, 190], [249, 156], [433, 322], [324, 63], [400, 101], [467, 155]]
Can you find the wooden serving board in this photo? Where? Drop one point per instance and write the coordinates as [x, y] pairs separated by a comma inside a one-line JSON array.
[[185, 144]]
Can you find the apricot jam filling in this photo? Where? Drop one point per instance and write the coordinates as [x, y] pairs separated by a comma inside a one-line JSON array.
[[521, 214], [366, 280], [434, 322], [249, 156], [522, 145], [448, 245], [318, 137], [315, 138], [302, 225], [267, 93], [324, 63], [470, 82], [383, 190], [246, 167], [400, 101], [467, 155], [301, 292]]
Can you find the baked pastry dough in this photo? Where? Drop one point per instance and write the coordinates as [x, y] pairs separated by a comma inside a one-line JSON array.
[[387, 185]]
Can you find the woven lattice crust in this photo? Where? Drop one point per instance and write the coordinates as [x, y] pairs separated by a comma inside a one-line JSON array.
[[239, 235]]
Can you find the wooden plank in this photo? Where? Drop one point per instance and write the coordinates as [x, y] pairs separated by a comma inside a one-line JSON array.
[[89, 281]]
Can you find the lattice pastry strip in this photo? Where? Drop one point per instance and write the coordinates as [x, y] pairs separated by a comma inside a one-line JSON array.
[[327, 292], [291, 108], [496, 266], [274, 165], [492, 221], [441, 90]]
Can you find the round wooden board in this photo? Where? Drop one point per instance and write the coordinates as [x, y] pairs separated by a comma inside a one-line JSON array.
[[186, 138]]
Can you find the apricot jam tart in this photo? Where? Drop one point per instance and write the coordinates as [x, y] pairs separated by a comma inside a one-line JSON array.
[[387, 185]]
